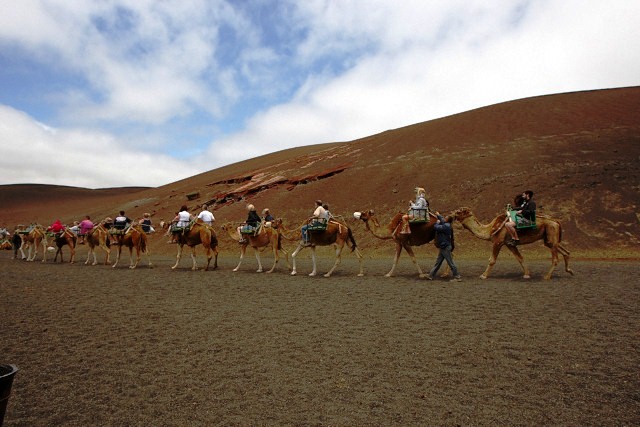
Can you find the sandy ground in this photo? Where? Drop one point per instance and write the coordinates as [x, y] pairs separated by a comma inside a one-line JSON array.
[[114, 347]]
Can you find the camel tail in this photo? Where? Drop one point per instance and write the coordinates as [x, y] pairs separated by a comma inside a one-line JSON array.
[[353, 240]]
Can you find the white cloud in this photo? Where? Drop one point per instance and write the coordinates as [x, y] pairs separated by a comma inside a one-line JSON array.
[[37, 153]]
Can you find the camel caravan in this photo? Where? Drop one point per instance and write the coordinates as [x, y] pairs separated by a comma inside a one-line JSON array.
[[417, 226]]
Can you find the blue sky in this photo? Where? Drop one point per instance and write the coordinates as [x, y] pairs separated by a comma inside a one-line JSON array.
[[146, 92]]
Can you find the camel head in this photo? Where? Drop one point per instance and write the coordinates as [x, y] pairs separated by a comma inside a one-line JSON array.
[[461, 214], [366, 216]]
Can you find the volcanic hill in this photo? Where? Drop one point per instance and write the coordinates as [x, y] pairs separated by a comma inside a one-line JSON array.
[[579, 152]]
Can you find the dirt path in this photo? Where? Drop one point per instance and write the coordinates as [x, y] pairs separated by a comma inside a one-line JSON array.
[[113, 347]]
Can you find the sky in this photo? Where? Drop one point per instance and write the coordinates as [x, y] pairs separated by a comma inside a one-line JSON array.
[[111, 93]]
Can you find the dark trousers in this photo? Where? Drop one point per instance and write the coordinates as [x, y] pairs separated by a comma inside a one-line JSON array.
[[444, 255]]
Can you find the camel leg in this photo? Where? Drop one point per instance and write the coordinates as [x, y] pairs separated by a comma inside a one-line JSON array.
[[395, 260], [554, 263], [293, 259], [117, 256], [215, 261], [360, 261], [520, 258], [313, 260], [22, 252], [108, 253], [286, 257], [133, 265], [73, 254], [565, 254], [178, 256], [257, 253], [495, 251], [243, 249], [414, 261], [193, 258], [276, 258], [338, 261], [44, 251], [95, 260]]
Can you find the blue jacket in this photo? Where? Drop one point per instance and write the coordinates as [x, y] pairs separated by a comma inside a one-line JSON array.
[[444, 233]]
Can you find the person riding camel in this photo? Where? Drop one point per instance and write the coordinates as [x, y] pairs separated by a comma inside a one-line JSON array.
[[56, 228], [253, 221], [267, 217], [86, 225], [319, 215], [524, 216], [183, 219], [418, 210]]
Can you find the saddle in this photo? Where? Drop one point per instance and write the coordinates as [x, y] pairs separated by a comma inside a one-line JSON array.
[[419, 215], [317, 225], [521, 222]]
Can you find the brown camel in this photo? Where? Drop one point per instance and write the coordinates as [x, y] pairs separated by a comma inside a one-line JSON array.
[[336, 234], [547, 229], [268, 237], [199, 234], [33, 239], [134, 237], [421, 233], [98, 237], [67, 237]]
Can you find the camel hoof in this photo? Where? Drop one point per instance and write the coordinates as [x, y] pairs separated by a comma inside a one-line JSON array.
[[312, 274], [235, 269], [483, 277], [526, 276], [360, 274], [258, 271], [570, 272], [423, 276], [293, 273], [388, 275], [327, 275]]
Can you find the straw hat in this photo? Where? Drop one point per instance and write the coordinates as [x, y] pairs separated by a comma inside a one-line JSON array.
[[420, 190]]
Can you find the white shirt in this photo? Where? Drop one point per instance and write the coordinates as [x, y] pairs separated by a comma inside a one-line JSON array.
[[320, 213], [183, 218], [207, 217]]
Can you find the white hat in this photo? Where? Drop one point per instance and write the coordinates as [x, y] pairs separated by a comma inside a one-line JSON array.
[[357, 215]]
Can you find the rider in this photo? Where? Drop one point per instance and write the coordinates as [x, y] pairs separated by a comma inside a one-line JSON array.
[[418, 209], [524, 215], [267, 217], [183, 219], [56, 228], [206, 216], [145, 223], [320, 214], [121, 222], [253, 220], [86, 225]]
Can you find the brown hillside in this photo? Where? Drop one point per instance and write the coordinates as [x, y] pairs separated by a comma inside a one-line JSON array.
[[579, 152]]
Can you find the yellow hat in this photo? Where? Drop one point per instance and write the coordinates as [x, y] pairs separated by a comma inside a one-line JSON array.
[[420, 190]]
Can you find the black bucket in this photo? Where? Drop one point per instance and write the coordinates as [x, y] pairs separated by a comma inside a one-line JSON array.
[[7, 372]]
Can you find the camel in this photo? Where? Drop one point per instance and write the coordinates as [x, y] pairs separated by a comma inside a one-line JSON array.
[[67, 237], [268, 237], [199, 234], [136, 238], [547, 229], [336, 234], [421, 233], [98, 237], [33, 239]]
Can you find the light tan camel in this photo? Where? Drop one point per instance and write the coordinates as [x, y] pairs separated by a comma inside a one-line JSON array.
[[336, 234], [199, 234], [421, 233], [98, 237], [134, 237], [32, 240], [67, 237], [268, 237], [547, 229]]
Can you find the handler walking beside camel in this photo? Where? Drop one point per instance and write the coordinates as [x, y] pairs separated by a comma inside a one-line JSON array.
[[444, 240]]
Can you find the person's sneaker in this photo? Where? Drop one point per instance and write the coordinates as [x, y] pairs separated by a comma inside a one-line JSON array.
[[428, 277], [456, 279], [242, 241]]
